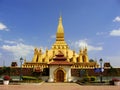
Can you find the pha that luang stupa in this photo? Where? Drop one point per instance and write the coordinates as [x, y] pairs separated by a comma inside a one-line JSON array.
[[60, 59]]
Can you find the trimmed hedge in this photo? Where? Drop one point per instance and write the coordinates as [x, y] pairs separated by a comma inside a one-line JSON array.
[[28, 78], [92, 78], [89, 79]]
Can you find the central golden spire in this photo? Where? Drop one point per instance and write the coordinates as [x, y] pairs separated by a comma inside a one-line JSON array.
[[60, 31], [60, 42]]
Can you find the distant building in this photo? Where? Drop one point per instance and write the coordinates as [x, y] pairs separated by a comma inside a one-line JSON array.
[[107, 65], [60, 59], [14, 64]]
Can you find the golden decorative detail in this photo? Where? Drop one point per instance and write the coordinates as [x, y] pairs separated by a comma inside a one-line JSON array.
[[60, 44]]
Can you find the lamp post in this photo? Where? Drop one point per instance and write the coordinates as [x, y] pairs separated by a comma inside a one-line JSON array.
[[101, 61], [21, 60]]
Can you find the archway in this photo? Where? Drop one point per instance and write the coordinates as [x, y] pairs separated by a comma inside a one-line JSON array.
[[60, 76]]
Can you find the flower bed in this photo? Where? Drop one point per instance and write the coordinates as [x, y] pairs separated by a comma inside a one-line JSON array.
[[116, 81], [6, 77]]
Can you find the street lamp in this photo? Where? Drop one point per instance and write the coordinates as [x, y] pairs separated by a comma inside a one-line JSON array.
[[21, 60], [101, 61]]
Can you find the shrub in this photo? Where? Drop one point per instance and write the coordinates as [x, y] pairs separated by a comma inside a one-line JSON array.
[[28, 78], [86, 79], [92, 78], [89, 79], [111, 82]]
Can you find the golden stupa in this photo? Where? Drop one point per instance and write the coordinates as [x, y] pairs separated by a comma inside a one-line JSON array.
[[42, 60]]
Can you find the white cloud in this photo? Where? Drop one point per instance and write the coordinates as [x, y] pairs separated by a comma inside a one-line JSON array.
[[83, 43], [101, 33], [115, 32], [53, 36], [0, 55], [0, 39], [100, 43], [93, 48], [3, 27], [10, 42], [117, 19], [17, 41], [20, 40], [19, 50]]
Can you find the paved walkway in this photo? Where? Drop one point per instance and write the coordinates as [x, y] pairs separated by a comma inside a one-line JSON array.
[[56, 86]]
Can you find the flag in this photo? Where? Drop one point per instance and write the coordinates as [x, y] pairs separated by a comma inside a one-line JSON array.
[[97, 70]]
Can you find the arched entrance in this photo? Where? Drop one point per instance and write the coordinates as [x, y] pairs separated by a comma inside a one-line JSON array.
[[60, 76]]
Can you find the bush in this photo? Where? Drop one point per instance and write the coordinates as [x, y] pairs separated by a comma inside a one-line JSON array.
[[86, 79], [111, 82], [89, 79], [92, 78], [28, 78]]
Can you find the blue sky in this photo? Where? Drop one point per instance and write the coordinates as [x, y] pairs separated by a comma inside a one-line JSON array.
[[26, 24]]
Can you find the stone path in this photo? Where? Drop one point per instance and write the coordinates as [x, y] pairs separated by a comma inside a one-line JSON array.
[[56, 86]]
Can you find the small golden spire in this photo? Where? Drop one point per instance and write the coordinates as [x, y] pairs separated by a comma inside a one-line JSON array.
[[40, 51]]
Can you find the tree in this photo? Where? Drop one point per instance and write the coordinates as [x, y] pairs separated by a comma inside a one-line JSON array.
[[91, 60], [6, 70], [1, 71], [112, 71]]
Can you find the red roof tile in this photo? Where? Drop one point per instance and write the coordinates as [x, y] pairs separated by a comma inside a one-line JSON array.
[[60, 63], [60, 60]]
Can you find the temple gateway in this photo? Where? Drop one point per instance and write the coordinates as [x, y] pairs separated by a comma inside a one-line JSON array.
[[60, 59]]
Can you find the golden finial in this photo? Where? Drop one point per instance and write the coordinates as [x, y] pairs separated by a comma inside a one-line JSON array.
[[60, 20], [61, 14]]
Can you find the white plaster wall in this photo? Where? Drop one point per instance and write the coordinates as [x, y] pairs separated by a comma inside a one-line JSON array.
[[66, 68]]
